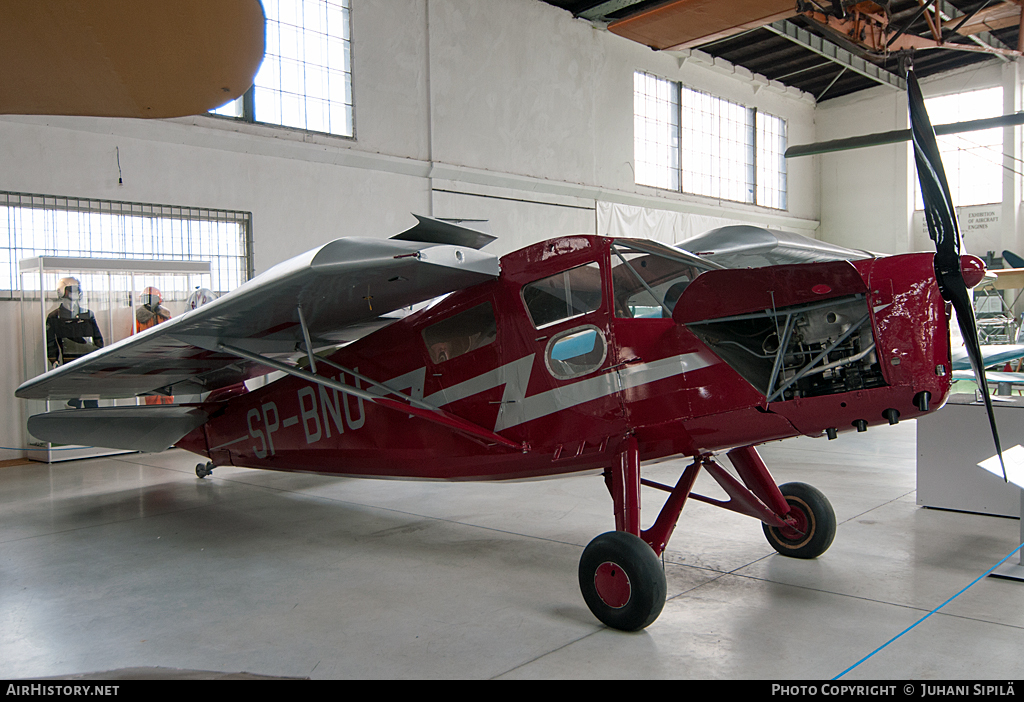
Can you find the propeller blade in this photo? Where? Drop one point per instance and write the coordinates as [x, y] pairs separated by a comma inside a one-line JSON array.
[[945, 232]]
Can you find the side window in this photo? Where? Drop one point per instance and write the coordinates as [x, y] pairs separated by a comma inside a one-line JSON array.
[[461, 333], [576, 352], [564, 295]]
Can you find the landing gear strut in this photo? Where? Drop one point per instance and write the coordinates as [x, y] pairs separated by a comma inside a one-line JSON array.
[[620, 575], [203, 470]]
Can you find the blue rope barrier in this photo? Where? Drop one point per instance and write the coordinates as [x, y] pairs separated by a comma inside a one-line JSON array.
[[930, 613]]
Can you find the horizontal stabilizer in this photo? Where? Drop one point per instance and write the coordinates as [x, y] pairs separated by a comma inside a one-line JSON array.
[[436, 231], [143, 428]]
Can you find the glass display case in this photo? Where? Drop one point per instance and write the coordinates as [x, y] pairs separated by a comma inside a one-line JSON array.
[[73, 306]]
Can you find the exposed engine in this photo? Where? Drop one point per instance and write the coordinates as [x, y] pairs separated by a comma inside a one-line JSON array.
[[823, 348]]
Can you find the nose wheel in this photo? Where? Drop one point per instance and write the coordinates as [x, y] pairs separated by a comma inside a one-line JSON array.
[[203, 470], [622, 581]]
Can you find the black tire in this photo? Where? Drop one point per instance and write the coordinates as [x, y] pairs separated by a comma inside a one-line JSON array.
[[622, 581], [817, 518], [203, 470]]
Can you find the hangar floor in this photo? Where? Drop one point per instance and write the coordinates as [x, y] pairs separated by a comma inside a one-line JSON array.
[[131, 562]]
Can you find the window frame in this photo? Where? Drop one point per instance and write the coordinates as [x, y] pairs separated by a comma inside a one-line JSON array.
[[109, 222], [246, 107], [592, 367], [526, 305], [954, 154], [450, 320], [764, 186]]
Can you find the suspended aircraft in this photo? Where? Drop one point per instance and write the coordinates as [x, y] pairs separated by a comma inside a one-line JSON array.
[[577, 354]]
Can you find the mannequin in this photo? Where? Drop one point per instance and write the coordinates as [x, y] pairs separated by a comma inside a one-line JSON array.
[[200, 297], [150, 313], [71, 330]]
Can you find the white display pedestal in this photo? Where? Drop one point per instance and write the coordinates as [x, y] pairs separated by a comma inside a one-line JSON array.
[[950, 444], [1013, 569]]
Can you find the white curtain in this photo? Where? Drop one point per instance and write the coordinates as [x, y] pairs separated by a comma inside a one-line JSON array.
[[661, 225]]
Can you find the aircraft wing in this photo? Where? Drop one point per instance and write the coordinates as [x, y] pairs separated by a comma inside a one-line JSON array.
[[746, 246], [332, 294], [991, 354], [992, 377], [1006, 278]]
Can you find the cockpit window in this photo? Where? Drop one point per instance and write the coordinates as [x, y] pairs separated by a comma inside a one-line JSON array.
[[565, 295], [648, 278], [461, 333]]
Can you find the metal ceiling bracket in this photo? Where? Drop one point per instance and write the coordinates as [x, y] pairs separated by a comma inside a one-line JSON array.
[[829, 86], [802, 37]]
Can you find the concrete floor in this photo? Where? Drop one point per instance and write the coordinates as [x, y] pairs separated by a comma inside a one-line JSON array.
[[131, 562]]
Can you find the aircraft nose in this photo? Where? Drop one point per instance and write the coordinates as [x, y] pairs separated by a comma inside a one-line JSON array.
[[973, 269]]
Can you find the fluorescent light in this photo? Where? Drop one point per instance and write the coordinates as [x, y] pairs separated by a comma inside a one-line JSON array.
[[1013, 459]]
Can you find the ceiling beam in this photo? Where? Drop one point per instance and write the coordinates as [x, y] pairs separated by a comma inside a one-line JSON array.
[[802, 37], [949, 11]]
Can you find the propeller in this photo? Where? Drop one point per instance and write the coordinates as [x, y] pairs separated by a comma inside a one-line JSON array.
[[945, 232]]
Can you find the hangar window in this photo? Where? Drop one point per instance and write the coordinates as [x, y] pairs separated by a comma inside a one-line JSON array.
[[565, 295], [973, 161], [656, 131], [48, 225], [305, 80], [694, 142], [461, 333]]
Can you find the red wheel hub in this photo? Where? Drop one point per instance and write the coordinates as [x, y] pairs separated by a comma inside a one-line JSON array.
[[798, 523], [612, 585]]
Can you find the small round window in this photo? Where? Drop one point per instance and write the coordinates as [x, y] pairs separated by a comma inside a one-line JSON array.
[[576, 352]]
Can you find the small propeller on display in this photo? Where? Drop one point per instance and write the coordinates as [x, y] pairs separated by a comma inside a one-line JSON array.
[[945, 232]]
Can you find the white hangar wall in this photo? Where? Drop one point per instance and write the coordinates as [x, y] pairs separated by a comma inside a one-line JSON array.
[[513, 112], [868, 195]]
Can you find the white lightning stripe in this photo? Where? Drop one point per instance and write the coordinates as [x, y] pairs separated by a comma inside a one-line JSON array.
[[558, 399], [514, 376], [517, 409]]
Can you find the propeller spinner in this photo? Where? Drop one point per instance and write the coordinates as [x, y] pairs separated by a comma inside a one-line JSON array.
[[945, 232]]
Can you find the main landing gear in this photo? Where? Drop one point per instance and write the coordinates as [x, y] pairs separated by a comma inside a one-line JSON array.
[[621, 576], [203, 470]]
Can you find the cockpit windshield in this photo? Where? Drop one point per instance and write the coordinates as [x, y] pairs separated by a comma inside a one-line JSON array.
[[648, 277]]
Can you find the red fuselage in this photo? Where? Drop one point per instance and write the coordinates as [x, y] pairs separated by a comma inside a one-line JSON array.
[[579, 344]]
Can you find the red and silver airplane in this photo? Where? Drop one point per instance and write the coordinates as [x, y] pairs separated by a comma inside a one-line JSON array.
[[582, 353]]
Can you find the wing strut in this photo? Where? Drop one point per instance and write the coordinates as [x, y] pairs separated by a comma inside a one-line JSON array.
[[305, 337], [420, 409]]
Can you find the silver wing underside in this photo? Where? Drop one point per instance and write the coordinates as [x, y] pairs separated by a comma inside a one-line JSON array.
[[745, 246], [341, 290]]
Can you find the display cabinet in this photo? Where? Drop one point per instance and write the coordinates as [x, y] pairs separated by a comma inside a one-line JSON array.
[[119, 294]]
